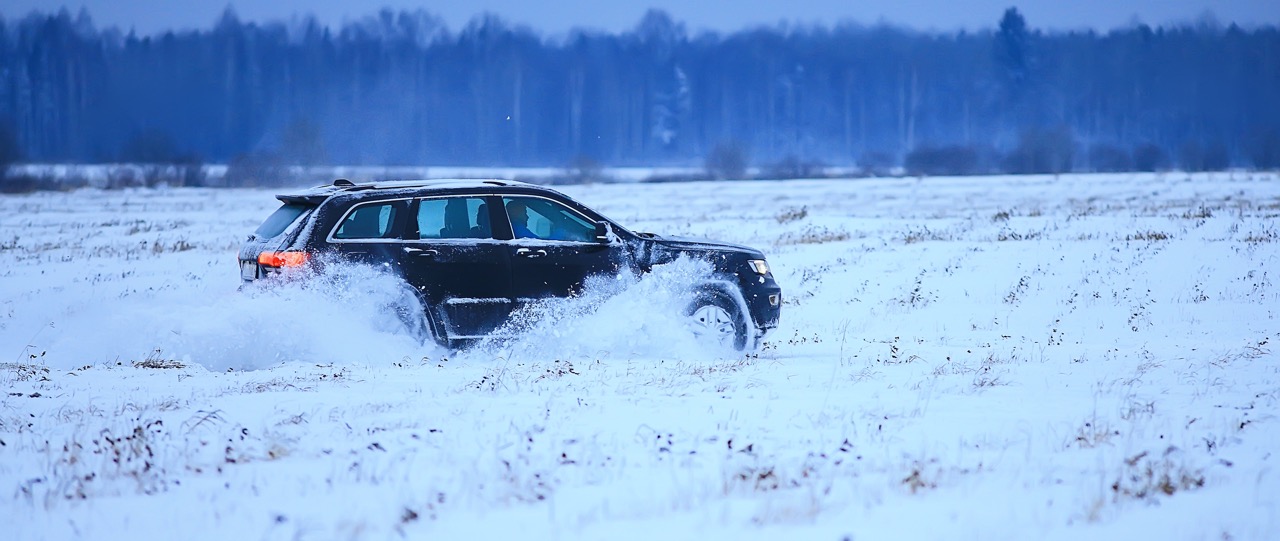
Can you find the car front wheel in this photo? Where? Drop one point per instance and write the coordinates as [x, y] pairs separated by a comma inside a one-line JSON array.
[[718, 321]]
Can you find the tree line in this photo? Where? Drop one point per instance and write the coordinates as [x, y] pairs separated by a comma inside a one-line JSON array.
[[399, 87]]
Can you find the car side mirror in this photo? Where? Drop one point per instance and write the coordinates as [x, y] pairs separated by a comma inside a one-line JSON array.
[[602, 232]]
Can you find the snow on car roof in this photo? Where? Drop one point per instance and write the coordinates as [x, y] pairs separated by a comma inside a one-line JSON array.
[[443, 183], [319, 193]]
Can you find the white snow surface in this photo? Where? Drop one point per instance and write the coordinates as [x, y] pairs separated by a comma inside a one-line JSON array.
[[1081, 356]]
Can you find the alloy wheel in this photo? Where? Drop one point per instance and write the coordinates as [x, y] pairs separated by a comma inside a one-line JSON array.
[[714, 324]]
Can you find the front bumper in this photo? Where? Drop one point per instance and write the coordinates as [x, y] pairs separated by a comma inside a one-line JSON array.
[[764, 302]]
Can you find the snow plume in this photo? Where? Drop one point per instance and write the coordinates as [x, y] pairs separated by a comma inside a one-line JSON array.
[[346, 314], [626, 316], [343, 314]]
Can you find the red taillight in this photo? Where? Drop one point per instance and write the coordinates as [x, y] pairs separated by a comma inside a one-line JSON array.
[[283, 259]]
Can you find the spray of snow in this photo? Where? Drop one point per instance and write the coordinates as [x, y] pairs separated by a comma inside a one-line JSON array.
[[347, 314], [622, 317], [344, 314]]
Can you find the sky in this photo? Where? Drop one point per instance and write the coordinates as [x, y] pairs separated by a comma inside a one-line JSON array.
[[557, 16]]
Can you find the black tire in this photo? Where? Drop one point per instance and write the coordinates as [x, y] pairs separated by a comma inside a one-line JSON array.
[[713, 315]]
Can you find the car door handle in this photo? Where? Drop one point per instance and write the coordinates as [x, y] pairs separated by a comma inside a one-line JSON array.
[[526, 252], [423, 252]]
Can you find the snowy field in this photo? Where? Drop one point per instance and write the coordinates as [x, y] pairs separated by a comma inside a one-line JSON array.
[[959, 358]]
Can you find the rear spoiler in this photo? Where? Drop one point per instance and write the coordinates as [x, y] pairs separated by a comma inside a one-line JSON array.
[[303, 199], [318, 194]]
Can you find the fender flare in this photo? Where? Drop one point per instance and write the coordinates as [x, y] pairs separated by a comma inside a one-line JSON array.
[[432, 318]]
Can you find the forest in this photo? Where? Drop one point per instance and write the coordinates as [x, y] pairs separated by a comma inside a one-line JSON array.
[[400, 88]]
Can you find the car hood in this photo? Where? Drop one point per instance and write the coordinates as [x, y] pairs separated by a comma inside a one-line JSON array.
[[705, 245]]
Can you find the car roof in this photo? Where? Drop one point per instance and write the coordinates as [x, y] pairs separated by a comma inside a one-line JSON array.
[[318, 194]]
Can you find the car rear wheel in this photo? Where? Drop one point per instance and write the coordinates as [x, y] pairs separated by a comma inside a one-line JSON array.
[[416, 319], [717, 321]]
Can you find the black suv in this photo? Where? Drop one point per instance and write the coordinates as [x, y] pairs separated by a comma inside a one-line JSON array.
[[475, 251]]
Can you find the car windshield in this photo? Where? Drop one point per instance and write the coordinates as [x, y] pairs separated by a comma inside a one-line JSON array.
[[280, 220]]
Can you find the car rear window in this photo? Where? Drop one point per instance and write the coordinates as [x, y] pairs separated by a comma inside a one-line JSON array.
[[368, 221], [280, 220]]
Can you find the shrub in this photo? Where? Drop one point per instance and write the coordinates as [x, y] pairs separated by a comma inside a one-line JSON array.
[[1191, 156], [1216, 157], [943, 160], [1150, 157], [876, 163], [1264, 148], [248, 170], [794, 167], [727, 160], [1194, 156], [161, 161], [1042, 151], [302, 143], [585, 169], [676, 177], [10, 149], [152, 146], [1106, 158]]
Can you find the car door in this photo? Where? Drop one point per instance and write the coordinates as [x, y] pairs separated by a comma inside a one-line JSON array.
[[554, 249], [453, 260]]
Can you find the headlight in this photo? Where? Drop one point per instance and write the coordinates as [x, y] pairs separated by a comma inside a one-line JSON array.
[[759, 266]]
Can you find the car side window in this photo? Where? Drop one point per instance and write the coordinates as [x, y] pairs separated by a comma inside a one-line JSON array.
[[537, 218], [370, 221], [454, 218]]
